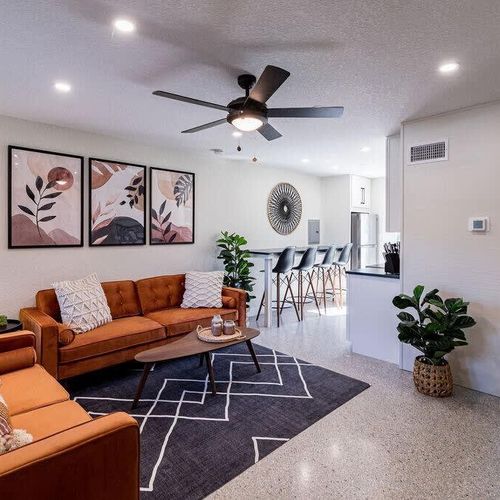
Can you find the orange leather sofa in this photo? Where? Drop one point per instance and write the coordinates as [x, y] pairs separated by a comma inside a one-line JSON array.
[[72, 455], [145, 313]]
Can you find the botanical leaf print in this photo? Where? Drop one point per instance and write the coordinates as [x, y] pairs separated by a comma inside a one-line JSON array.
[[182, 189], [41, 196]]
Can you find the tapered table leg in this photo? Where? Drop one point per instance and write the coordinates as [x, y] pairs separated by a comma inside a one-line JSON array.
[[211, 373], [145, 373], [254, 357], [201, 360]]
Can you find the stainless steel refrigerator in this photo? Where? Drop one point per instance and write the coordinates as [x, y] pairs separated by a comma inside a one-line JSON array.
[[364, 237]]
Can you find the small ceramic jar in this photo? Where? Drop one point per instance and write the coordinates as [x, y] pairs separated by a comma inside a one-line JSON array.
[[217, 325], [229, 327]]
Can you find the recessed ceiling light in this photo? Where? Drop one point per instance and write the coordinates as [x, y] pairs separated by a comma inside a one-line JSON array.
[[449, 67], [124, 25], [237, 134], [305, 160], [365, 149], [64, 87]]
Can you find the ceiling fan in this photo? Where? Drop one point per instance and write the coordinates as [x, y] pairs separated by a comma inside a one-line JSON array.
[[250, 112]]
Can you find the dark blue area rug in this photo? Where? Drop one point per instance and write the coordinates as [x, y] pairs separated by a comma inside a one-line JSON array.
[[192, 442]]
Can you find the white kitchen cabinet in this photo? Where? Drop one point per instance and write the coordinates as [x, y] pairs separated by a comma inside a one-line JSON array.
[[371, 317], [360, 193], [394, 184]]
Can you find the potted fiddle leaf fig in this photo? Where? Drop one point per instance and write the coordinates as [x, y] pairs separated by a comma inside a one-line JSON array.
[[435, 329], [236, 262]]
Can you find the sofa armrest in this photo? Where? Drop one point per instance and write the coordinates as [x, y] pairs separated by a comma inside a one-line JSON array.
[[46, 331], [17, 351], [98, 460], [17, 340], [241, 302]]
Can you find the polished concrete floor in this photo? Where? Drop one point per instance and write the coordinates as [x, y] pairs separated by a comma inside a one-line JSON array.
[[388, 442]]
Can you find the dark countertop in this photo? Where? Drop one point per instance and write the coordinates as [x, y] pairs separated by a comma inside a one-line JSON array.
[[277, 251], [373, 271]]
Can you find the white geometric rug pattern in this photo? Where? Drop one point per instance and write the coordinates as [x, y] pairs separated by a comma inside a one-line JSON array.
[[203, 393]]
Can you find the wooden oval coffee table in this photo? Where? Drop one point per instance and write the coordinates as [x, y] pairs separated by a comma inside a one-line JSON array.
[[191, 345]]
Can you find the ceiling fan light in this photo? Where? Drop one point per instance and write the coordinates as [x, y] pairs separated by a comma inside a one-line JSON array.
[[247, 123]]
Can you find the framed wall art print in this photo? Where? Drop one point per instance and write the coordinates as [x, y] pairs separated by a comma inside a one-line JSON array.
[[45, 197], [117, 203], [172, 196]]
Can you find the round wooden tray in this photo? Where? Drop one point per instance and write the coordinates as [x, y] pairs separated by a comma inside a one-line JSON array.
[[205, 334]]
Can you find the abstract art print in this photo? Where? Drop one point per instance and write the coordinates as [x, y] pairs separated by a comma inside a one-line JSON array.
[[172, 207], [117, 203], [45, 199]]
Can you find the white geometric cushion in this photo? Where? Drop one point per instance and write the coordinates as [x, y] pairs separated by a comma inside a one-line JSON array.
[[83, 303], [203, 289]]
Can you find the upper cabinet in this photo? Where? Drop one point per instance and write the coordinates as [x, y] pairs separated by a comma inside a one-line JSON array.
[[360, 193], [394, 184]]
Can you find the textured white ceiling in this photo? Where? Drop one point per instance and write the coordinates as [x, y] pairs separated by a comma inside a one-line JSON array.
[[378, 58]]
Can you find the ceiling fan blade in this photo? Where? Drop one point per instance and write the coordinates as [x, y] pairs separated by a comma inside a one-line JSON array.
[[190, 100], [203, 127], [325, 112], [269, 132], [269, 82]]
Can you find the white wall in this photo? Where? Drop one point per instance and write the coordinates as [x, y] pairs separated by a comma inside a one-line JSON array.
[[229, 195], [336, 210], [378, 206], [439, 251], [394, 185]]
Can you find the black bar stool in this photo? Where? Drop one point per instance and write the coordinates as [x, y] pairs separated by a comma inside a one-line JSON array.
[[282, 270], [305, 267], [339, 267], [324, 271]]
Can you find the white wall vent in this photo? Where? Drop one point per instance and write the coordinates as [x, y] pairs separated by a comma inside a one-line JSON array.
[[428, 153]]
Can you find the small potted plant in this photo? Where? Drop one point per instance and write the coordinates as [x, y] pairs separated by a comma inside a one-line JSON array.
[[435, 330]]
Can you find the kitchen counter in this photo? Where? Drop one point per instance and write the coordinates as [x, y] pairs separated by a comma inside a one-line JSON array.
[[371, 317], [298, 250], [373, 271]]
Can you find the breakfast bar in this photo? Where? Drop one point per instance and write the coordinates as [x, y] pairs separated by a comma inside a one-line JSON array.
[[268, 254]]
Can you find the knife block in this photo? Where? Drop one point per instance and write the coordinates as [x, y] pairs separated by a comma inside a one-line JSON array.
[[392, 263]]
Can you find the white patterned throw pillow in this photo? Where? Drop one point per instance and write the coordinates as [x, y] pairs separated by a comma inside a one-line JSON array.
[[203, 289], [83, 303]]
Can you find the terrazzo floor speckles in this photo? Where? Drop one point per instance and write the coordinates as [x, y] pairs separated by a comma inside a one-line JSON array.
[[388, 442]]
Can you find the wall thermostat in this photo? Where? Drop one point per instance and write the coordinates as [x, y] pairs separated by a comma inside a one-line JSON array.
[[478, 224]]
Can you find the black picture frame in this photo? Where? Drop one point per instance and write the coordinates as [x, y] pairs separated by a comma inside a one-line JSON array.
[[10, 180], [90, 208], [152, 209]]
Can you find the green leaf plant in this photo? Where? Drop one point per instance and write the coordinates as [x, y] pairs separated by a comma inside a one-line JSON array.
[[436, 328], [236, 262]]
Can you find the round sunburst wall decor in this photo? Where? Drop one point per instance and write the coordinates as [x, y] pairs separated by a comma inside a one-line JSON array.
[[284, 208]]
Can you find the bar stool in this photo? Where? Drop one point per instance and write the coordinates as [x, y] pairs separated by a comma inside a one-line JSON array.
[[339, 267], [305, 267], [324, 271], [282, 271]]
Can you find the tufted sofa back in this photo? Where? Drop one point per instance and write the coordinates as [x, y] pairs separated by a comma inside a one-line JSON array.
[[122, 300], [160, 292]]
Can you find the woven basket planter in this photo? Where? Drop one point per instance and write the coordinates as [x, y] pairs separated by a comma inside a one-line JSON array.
[[432, 380]]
